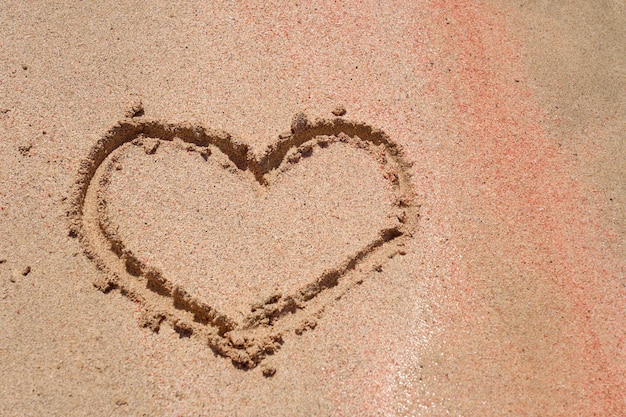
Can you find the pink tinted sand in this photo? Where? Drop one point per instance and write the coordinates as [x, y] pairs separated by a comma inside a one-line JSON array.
[[541, 225]]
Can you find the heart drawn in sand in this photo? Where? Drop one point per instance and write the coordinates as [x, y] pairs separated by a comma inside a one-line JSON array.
[[234, 247]]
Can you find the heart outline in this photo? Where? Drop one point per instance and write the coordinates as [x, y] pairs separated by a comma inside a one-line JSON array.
[[248, 342]]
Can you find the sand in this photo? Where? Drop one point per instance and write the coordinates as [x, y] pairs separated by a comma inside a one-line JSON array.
[[320, 209]]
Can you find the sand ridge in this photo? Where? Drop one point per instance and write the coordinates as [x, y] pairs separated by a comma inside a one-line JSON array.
[[249, 340]]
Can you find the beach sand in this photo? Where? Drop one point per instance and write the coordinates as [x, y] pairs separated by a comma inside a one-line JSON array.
[[327, 208]]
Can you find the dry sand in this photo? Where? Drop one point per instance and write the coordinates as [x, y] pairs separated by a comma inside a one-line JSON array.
[[452, 245]]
